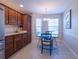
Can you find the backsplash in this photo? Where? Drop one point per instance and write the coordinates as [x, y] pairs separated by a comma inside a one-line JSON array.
[[10, 28]]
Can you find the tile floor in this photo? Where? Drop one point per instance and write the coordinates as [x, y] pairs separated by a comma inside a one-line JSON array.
[[31, 51]]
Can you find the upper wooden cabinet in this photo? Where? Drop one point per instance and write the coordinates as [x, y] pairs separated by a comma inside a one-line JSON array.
[[12, 17], [19, 18], [9, 46], [6, 15], [25, 22]]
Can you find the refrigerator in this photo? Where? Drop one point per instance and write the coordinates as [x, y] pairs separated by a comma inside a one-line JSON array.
[[2, 38]]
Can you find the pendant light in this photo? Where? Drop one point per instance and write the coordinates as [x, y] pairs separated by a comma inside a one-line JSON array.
[[46, 16]]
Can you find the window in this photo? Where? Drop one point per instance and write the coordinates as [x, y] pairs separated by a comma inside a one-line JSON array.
[[53, 26], [38, 26]]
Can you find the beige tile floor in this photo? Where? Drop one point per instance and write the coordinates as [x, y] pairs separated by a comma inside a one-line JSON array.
[[31, 51]]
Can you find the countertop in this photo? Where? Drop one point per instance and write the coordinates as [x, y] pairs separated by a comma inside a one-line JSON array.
[[15, 33]]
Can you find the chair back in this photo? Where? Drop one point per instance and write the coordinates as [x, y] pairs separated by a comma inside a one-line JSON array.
[[50, 32], [46, 36], [46, 40]]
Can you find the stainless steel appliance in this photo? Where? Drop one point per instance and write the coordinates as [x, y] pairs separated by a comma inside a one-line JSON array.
[[2, 40]]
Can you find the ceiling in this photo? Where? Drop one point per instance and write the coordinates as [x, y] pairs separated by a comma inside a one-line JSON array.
[[38, 6]]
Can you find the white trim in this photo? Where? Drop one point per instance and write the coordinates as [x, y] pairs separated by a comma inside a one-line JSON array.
[[70, 49]]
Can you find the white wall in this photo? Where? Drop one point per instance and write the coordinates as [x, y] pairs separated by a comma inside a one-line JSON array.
[[60, 16], [70, 35]]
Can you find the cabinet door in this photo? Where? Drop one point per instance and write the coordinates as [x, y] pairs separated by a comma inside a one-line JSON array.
[[12, 17], [18, 43], [19, 18], [9, 46], [6, 15], [25, 22], [25, 38], [15, 18]]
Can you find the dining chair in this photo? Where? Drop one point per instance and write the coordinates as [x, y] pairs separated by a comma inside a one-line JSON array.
[[54, 37], [46, 42]]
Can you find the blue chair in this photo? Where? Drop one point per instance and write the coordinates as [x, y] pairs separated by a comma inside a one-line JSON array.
[[53, 37], [46, 40]]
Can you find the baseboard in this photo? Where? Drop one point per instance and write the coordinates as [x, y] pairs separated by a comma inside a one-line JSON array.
[[71, 50]]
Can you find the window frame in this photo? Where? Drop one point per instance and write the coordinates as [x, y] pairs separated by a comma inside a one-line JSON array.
[[54, 26]]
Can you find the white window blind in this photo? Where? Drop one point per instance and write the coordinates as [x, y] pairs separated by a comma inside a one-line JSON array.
[[38, 26], [53, 26]]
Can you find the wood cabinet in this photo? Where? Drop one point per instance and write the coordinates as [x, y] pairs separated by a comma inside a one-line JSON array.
[[18, 42], [9, 46], [15, 18], [14, 43], [26, 21], [12, 17], [19, 18], [6, 15], [25, 38]]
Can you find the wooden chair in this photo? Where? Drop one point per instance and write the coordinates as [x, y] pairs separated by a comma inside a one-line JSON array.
[[46, 41], [53, 37]]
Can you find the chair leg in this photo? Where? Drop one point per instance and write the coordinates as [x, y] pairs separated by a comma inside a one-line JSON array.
[[50, 50], [42, 48], [51, 47]]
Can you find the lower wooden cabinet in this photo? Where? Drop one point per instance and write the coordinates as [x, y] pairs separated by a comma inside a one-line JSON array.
[[9, 50], [18, 42], [14, 43], [25, 38], [9, 46]]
